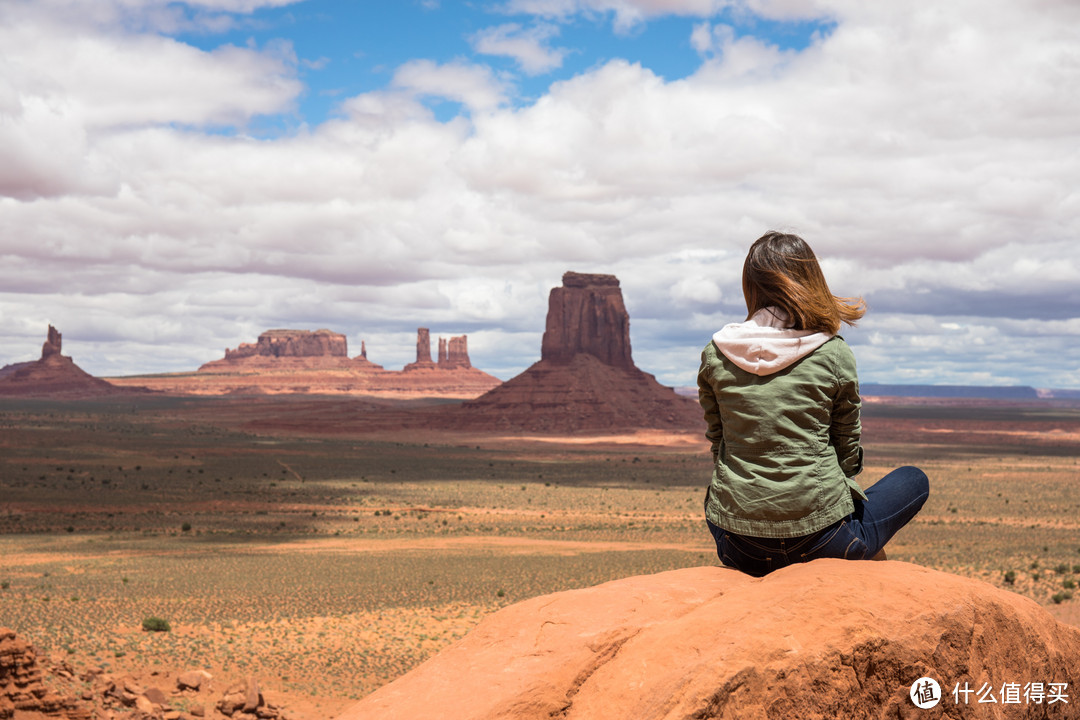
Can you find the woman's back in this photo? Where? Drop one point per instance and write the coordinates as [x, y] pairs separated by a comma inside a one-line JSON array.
[[780, 396]]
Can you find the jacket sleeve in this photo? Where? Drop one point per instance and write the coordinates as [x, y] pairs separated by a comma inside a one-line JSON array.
[[845, 431], [707, 399]]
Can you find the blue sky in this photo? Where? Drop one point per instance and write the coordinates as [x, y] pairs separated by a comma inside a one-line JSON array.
[[347, 48], [177, 177]]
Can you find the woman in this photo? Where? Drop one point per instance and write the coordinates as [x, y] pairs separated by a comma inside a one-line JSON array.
[[781, 399]]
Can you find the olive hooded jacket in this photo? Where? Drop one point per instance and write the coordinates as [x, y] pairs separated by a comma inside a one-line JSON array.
[[782, 407]]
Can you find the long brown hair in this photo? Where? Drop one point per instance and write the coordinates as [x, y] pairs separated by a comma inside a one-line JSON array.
[[782, 271]]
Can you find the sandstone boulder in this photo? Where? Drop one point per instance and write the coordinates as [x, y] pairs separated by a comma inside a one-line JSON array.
[[193, 679], [22, 692], [818, 641]]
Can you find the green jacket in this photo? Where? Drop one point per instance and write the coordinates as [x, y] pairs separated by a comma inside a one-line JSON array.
[[785, 444]]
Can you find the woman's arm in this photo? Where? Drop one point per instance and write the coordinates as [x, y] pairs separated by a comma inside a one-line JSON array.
[[845, 430], [707, 399]]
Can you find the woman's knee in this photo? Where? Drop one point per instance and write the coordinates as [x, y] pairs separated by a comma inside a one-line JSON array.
[[917, 481]]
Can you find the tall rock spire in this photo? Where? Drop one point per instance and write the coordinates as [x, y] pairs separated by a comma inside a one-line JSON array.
[[423, 346], [587, 315], [52, 344]]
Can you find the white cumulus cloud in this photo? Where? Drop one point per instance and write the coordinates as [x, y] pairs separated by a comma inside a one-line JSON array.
[[926, 152], [527, 46]]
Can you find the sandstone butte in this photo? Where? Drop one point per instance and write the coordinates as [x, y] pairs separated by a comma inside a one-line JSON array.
[[586, 378], [826, 640], [53, 375], [317, 362]]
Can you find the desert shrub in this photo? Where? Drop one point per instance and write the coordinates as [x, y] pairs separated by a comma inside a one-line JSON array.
[[156, 624], [5, 585], [1061, 569], [186, 527], [1068, 583], [1060, 597], [1010, 577]]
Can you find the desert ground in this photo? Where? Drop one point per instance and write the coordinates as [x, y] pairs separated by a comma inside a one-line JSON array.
[[327, 545]]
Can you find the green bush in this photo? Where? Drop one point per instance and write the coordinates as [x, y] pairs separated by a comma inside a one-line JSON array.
[[1010, 577], [156, 624]]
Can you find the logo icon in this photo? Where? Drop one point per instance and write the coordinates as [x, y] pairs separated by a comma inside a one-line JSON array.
[[925, 692]]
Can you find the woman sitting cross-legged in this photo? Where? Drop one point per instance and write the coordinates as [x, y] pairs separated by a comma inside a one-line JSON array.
[[781, 399]]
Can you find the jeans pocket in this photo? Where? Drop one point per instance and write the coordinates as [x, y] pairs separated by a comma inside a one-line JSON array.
[[816, 545], [748, 557], [839, 541]]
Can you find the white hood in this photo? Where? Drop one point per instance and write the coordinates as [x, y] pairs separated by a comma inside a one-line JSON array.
[[765, 343]]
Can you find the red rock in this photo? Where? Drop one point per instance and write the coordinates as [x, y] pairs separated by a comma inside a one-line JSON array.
[[22, 692], [156, 696], [14, 368], [233, 700], [453, 375], [133, 687], [292, 355], [817, 641], [293, 343], [192, 680], [456, 354], [53, 343], [586, 379], [56, 375], [587, 315], [144, 705], [252, 695], [423, 352], [452, 354]]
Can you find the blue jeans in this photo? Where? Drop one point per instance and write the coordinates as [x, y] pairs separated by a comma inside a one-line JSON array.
[[890, 503]]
